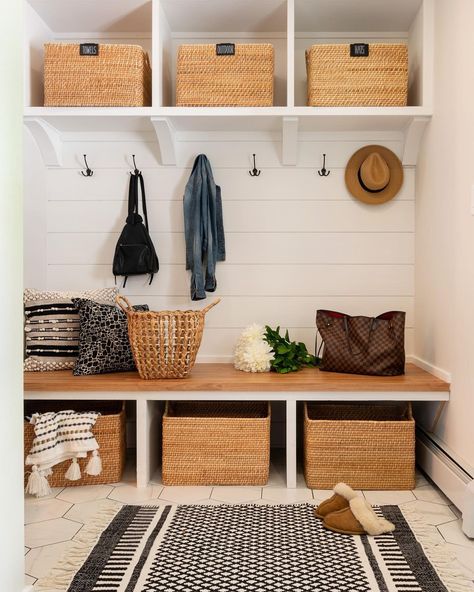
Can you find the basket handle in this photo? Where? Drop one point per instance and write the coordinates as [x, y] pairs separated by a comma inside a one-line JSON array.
[[209, 306], [119, 299]]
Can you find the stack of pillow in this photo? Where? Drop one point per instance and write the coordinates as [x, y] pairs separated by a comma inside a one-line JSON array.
[[82, 331]]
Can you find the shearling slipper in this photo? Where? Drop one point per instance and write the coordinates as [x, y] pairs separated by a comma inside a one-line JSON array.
[[358, 518], [340, 500]]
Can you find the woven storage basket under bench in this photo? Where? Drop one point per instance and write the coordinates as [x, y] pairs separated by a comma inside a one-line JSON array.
[[367, 445], [109, 431], [216, 443]]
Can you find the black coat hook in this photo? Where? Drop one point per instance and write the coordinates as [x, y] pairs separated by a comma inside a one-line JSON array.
[[324, 172], [136, 171], [88, 172], [254, 172]]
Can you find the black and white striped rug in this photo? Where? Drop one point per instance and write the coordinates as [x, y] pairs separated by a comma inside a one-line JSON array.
[[250, 548]]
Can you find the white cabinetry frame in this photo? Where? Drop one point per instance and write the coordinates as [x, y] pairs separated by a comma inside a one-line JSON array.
[[149, 413], [160, 26]]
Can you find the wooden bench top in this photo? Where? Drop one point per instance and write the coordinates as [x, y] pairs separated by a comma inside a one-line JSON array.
[[224, 377]]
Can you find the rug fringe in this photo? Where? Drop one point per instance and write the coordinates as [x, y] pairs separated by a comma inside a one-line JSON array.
[[443, 560], [63, 573]]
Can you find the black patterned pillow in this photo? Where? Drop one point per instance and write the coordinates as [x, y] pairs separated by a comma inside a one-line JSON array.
[[103, 338]]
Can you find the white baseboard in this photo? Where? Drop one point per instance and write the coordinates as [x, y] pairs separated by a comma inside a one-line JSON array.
[[431, 368], [440, 468]]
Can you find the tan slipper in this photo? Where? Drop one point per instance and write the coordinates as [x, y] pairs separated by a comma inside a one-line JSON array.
[[358, 518], [340, 500]]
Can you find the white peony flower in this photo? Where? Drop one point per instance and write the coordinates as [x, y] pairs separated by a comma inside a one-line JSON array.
[[252, 352], [253, 332]]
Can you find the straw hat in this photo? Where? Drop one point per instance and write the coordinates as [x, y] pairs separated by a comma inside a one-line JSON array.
[[374, 174]]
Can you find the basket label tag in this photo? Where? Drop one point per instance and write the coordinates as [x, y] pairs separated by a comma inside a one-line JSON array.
[[225, 49], [89, 49], [359, 50]]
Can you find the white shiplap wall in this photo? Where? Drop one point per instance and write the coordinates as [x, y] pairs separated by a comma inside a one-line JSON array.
[[295, 241]]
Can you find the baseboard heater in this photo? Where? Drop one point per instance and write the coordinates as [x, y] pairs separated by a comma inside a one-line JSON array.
[[454, 480]]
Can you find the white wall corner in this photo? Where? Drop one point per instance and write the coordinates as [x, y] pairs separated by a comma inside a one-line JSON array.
[[165, 135], [431, 368], [48, 140]]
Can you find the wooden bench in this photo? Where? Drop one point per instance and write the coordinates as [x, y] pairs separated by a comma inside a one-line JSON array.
[[215, 382]]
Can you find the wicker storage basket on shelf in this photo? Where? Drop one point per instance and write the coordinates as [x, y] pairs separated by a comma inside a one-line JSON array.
[[206, 79], [164, 344], [109, 431], [118, 76], [368, 446], [337, 79], [216, 443]]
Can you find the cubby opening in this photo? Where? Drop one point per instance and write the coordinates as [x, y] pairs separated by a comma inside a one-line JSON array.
[[366, 21], [217, 21], [80, 21]]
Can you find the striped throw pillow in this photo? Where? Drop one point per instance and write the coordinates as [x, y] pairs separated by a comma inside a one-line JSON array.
[[52, 327]]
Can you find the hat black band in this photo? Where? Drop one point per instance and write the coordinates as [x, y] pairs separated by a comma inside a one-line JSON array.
[[365, 188]]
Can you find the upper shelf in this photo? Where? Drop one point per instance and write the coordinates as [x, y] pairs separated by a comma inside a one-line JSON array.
[[160, 26], [183, 119], [292, 26], [50, 125]]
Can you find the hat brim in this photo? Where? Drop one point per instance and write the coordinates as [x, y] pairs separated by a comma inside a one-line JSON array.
[[352, 175]]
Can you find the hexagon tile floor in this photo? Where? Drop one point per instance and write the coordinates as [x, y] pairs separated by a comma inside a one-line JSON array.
[[50, 523]]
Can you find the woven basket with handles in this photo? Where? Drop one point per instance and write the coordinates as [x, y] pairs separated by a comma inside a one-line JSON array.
[[164, 344], [337, 79], [367, 445]]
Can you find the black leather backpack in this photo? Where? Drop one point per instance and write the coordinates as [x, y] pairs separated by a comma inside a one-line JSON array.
[[135, 253]]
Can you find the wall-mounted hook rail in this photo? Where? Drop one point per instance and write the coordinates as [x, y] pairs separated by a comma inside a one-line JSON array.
[[324, 172], [254, 172], [88, 172]]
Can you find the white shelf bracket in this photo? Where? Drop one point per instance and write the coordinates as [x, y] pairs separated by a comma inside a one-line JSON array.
[[165, 135], [413, 134], [289, 141], [48, 140]]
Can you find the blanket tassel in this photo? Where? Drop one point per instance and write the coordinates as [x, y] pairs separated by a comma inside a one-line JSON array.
[[74, 471], [37, 483], [94, 466]]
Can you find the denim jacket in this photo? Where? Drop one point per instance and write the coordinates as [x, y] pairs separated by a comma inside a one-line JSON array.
[[203, 228]]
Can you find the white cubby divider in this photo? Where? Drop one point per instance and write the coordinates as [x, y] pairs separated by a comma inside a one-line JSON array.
[[160, 26]]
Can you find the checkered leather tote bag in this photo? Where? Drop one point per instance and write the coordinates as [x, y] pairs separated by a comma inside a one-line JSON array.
[[362, 345]]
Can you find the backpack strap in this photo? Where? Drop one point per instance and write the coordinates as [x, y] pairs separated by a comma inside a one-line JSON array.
[[133, 195], [142, 187]]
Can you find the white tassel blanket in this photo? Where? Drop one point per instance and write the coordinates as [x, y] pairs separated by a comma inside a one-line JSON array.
[[58, 437]]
